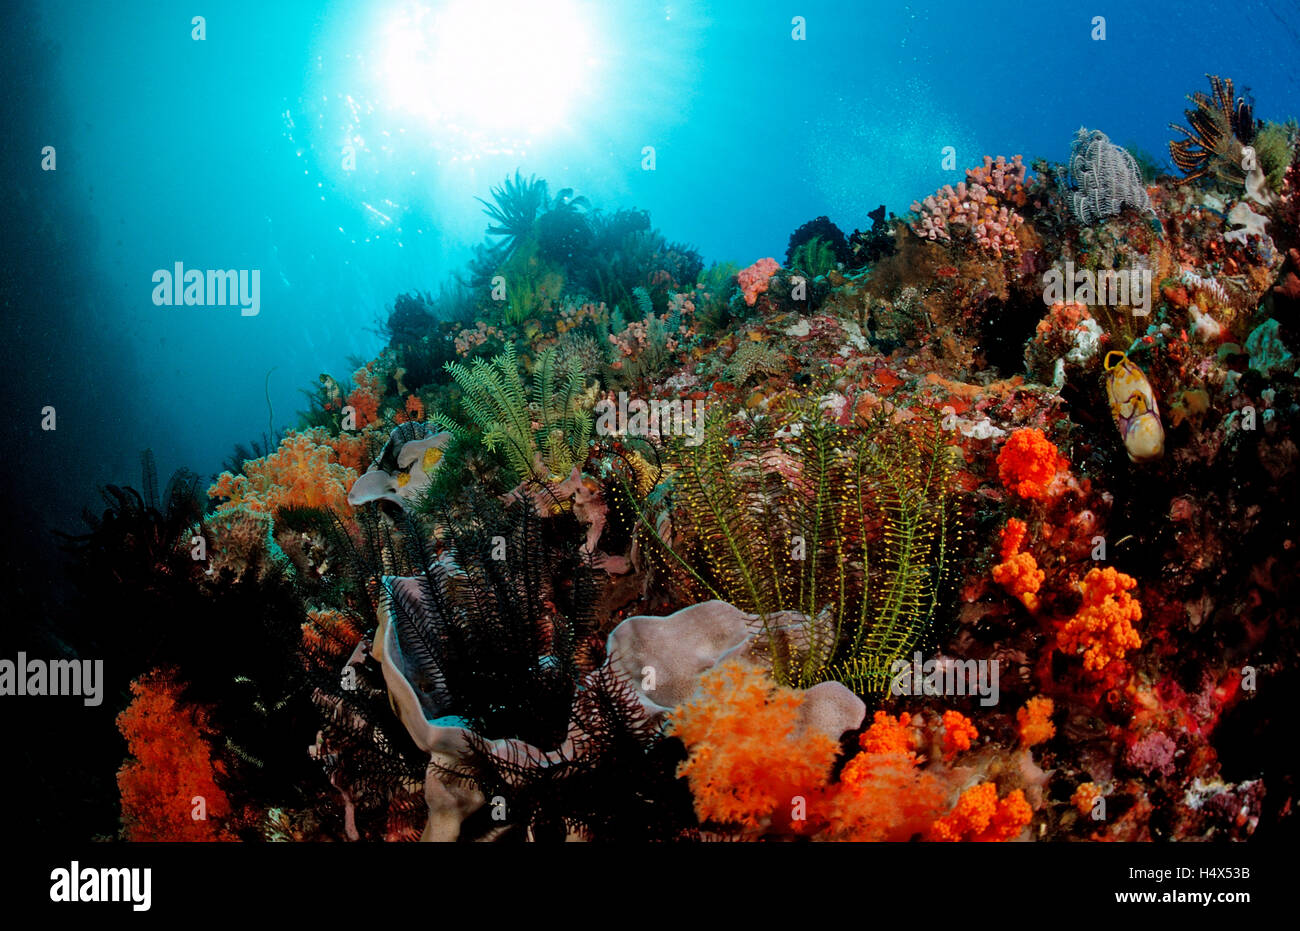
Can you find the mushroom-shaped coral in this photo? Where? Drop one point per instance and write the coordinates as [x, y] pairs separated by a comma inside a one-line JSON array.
[[405, 467]]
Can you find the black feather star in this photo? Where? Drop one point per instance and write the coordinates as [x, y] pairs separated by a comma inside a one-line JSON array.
[[1220, 126]]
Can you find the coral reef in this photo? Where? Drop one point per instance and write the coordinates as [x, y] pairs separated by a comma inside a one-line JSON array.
[[844, 550]]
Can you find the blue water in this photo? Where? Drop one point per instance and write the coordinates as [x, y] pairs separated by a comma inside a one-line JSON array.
[[227, 153]]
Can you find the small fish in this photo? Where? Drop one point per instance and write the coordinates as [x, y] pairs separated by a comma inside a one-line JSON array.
[[333, 392]]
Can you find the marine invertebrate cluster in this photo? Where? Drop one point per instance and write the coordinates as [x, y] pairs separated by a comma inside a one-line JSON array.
[[171, 774], [958, 732], [1106, 179], [751, 749], [776, 529], [1034, 721], [979, 206], [300, 473], [566, 631], [1018, 572], [814, 258], [514, 208], [819, 228], [364, 399], [243, 538], [543, 436], [470, 339], [982, 817]]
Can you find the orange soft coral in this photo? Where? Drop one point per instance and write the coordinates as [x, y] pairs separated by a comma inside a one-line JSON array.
[[881, 797], [958, 732], [1103, 629], [1035, 721], [1028, 463], [882, 794], [171, 767], [1013, 537], [1085, 797], [1018, 572], [301, 473], [888, 735], [754, 280], [748, 758], [979, 816]]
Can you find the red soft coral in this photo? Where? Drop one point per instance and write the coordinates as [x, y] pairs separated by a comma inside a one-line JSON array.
[[172, 767], [1028, 463], [364, 399]]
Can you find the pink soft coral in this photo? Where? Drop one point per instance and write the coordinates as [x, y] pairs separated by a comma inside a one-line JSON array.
[[754, 280]]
